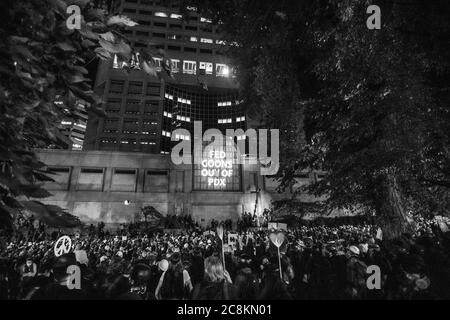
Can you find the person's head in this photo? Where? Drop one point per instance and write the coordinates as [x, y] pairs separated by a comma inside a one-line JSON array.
[[29, 262], [214, 269], [60, 266]]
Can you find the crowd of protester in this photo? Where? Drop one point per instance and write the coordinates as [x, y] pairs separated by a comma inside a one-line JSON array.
[[317, 262]]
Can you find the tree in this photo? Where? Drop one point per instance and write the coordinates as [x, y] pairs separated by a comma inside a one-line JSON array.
[[370, 107], [42, 61]]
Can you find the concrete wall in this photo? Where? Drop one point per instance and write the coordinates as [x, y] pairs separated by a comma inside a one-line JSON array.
[[94, 185]]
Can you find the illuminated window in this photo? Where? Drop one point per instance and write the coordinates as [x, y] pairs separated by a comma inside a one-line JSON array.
[[206, 40], [189, 67], [183, 118], [222, 70], [161, 14], [158, 63], [239, 119], [224, 120], [223, 103], [207, 66], [193, 39], [167, 114], [115, 62], [176, 16], [186, 101], [205, 20]]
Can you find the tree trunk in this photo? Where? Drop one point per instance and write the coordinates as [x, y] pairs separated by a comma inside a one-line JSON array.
[[391, 209]]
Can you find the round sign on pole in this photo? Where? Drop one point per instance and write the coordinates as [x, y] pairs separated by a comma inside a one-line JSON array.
[[62, 246]]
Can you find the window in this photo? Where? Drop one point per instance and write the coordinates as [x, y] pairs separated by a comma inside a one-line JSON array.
[[174, 48], [116, 86], [172, 37], [175, 26], [188, 49], [182, 137], [176, 16], [167, 114], [142, 33], [205, 20], [208, 51], [143, 23], [189, 67], [124, 180], [132, 107], [207, 66], [239, 119], [223, 121], [186, 101], [158, 63], [183, 118], [222, 70], [224, 103], [158, 35], [127, 10], [111, 126], [168, 96], [175, 65], [191, 28], [166, 133], [135, 87], [147, 142], [113, 105], [156, 181], [146, 12], [90, 179], [193, 39], [153, 90], [161, 14], [151, 107], [206, 40], [61, 176], [160, 24]]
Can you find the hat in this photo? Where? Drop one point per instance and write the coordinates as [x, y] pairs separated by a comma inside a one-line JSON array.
[[354, 250], [163, 265]]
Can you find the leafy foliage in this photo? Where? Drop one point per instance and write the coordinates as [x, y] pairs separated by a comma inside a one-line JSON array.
[[370, 107], [42, 61]]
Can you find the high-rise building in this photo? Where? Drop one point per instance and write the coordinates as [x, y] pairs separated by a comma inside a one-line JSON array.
[[74, 126], [143, 110], [124, 165]]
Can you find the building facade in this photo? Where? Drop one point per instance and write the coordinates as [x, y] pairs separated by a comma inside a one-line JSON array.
[[94, 185], [127, 154], [143, 110]]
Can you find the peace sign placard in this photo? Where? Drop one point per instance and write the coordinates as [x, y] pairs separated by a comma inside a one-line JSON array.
[[62, 246]]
